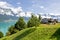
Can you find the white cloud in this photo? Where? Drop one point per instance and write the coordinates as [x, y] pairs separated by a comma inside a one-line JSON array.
[[28, 14], [57, 14], [21, 14], [9, 13], [18, 3], [41, 14], [17, 10], [1, 11], [37, 15], [5, 5], [41, 7]]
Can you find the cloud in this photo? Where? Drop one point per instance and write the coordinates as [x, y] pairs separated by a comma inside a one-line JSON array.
[[18, 3], [17, 10], [37, 6], [5, 5], [28, 14], [41, 7], [57, 14], [23, 14], [9, 7], [37, 15], [9, 13], [54, 7]]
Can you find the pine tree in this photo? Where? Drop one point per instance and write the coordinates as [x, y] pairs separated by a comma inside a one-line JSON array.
[[20, 24], [34, 21]]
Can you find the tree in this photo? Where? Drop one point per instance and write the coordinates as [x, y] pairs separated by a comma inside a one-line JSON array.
[[11, 30], [20, 24], [34, 21], [8, 33], [1, 34], [39, 17]]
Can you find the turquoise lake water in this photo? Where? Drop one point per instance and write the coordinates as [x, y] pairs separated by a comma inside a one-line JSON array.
[[4, 26]]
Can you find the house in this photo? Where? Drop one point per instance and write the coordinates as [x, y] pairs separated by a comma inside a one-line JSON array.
[[48, 20]]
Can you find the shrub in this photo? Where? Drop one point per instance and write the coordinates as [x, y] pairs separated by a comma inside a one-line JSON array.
[[1, 34]]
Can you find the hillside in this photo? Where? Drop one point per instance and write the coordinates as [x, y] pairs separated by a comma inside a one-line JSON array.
[[36, 33]]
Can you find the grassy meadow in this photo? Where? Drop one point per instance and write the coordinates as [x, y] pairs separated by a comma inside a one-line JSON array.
[[42, 32]]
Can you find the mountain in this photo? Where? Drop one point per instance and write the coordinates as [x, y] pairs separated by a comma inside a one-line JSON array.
[[5, 17], [6, 14]]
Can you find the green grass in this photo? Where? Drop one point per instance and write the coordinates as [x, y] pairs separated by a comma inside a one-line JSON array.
[[43, 32]]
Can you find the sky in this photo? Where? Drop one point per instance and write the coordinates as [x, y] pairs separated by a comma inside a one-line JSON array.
[[35, 6]]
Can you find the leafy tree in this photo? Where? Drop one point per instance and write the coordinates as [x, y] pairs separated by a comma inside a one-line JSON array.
[[20, 24], [8, 33], [11, 30], [40, 17], [1, 34], [34, 21]]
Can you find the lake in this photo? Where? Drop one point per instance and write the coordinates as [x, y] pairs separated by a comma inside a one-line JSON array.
[[4, 26]]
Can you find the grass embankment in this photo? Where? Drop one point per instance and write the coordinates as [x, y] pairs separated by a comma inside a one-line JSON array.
[[43, 32]]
